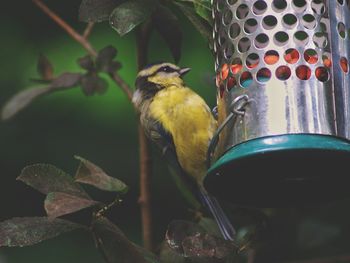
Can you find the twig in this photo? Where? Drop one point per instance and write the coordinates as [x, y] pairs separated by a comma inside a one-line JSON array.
[[74, 34], [251, 256], [122, 84], [88, 30], [145, 160], [142, 40], [83, 42], [104, 209], [145, 191]]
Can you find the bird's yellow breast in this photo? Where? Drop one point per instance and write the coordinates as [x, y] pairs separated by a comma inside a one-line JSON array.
[[186, 116]]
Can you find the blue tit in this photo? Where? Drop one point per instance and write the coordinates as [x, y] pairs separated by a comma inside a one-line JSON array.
[[180, 122]]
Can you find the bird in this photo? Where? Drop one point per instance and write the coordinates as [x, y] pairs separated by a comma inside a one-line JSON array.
[[181, 124]]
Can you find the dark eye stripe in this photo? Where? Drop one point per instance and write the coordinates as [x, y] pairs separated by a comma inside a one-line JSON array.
[[166, 69]]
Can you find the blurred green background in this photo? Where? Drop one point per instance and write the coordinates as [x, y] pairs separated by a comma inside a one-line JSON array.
[[102, 128]]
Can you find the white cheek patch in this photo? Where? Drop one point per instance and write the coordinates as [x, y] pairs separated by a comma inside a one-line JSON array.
[[137, 98]]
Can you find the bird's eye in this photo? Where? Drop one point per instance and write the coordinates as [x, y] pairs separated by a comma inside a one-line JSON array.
[[167, 69]]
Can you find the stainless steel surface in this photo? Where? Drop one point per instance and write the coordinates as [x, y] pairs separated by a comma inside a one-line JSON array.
[[285, 55], [339, 14]]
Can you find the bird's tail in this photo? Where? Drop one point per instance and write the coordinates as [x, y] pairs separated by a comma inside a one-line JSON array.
[[219, 215]]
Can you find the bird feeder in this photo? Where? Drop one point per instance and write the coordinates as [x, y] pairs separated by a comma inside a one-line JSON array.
[[283, 98]]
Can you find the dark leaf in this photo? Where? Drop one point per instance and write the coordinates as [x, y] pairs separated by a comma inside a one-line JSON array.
[[104, 60], [92, 83], [66, 80], [113, 67], [59, 204], [167, 255], [191, 240], [45, 68], [178, 230], [169, 28], [199, 23], [22, 100], [106, 55], [47, 178], [96, 10], [117, 248], [27, 231], [206, 246], [41, 81], [91, 174], [86, 63], [130, 14]]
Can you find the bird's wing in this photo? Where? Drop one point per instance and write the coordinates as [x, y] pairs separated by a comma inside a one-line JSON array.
[[161, 137], [164, 140]]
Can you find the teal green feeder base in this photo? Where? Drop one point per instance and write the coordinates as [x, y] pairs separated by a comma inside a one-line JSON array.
[[283, 170]]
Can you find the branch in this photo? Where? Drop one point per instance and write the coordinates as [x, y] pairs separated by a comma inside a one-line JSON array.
[[145, 160], [251, 256], [63, 24], [142, 40], [83, 42], [145, 191], [122, 84]]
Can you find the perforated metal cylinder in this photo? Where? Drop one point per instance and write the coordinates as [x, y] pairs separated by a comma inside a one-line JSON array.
[[291, 59]]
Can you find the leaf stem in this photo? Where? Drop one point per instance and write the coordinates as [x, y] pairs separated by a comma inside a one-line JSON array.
[[88, 30], [107, 207]]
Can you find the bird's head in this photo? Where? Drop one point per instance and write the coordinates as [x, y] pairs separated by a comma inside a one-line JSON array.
[[156, 77]]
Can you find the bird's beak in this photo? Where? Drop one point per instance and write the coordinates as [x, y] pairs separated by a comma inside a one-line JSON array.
[[183, 71]]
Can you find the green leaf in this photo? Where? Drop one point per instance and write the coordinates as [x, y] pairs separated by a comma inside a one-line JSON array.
[[96, 10], [21, 100], [45, 68], [168, 26], [27, 231], [202, 26], [130, 14], [203, 9], [116, 247], [89, 173], [59, 204], [47, 178]]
